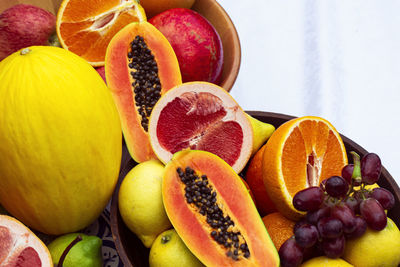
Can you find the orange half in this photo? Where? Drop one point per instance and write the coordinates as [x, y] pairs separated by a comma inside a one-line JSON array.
[[85, 27], [300, 153]]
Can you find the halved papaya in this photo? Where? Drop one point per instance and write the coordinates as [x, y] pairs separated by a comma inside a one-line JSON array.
[[212, 211], [140, 66]]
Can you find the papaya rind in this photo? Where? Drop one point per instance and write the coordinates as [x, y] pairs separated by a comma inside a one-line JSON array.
[[236, 200], [120, 82]]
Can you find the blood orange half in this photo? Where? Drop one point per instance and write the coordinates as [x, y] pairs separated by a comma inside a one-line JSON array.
[[201, 116], [21, 247]]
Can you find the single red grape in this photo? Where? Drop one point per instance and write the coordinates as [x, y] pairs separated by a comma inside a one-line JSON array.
[[306, 235], [334, 247], [373, 213], [290, 253], [384, 196], [370, 168], [346, 216], [336, 186], [347, 172], [361, 227], [308, 199], [329, 227]]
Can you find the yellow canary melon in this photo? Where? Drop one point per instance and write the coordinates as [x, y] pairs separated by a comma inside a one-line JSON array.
[[61, 140]]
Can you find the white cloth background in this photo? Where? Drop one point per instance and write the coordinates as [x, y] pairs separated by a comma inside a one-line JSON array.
[[336, 59]]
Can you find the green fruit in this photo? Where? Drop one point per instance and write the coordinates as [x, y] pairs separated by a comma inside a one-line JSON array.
[[169, 250], [261, 132], [140, 201], [375, 248], [85, 253]]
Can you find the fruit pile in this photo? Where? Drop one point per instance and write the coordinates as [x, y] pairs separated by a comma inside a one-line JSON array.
[[212, 185], [340, 208]]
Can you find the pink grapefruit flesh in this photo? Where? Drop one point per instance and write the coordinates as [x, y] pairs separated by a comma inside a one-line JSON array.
[[201, 116], [19, 247]]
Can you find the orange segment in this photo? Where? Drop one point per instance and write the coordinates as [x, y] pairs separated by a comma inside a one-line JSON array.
[[300, 153], [85, 27]]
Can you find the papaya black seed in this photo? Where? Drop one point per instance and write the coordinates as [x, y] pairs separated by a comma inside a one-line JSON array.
[[142, 62], [199, 192]]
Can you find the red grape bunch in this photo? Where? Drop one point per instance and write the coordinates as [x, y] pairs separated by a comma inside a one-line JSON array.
[[340, 208]]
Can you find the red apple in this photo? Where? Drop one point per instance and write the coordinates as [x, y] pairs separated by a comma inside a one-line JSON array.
[[24, 25], [195, 41]]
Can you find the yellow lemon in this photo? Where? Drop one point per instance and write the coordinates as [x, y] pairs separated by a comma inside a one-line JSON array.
[[326, 262], [375, 248], [140, 201], [169, 250], [261, 132]]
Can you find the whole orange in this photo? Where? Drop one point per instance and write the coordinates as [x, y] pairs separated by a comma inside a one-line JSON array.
[[154, 7], [254, 179], [279, 228]]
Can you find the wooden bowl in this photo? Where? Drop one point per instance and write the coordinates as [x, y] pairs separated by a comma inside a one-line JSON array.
[[217, 16], [130, 248], [209, 9]]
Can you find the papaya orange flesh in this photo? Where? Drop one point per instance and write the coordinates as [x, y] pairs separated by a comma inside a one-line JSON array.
[[213, 212], [140, 66]]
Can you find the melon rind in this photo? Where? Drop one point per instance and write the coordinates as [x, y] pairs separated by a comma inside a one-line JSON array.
[[61, 140], [235, 113], [233, 194]]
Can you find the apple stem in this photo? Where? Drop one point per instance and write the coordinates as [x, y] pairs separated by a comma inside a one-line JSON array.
[[67, 249], [25, 51]]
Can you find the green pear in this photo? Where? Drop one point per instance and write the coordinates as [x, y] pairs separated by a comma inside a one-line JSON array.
[[261, 132], [85, 253]]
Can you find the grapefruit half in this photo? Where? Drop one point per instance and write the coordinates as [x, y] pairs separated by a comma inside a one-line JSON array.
[[20, 247], [201, 116]]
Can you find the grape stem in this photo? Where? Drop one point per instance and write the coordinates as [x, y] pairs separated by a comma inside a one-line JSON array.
[[357, 165]]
